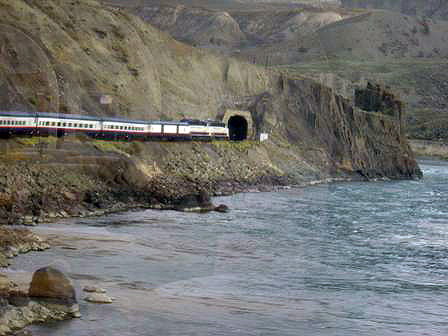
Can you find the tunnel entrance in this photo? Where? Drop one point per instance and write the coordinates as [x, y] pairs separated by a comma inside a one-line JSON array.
[[237, 128]]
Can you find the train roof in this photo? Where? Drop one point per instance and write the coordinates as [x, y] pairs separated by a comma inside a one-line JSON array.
[[194, 121], [85, 117], [17, 114], [67, 116]]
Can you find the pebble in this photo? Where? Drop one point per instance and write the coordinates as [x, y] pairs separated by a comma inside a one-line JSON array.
[[93, 289], [98, 298]]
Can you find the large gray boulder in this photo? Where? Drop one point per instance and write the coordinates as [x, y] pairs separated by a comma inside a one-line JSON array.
[[51, 283]]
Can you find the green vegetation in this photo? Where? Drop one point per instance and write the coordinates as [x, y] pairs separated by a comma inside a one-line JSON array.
[[240, 146]]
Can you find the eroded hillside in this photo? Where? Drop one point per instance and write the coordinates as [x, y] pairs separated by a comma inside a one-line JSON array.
[[72, 55], [437, 9], [340, 48]]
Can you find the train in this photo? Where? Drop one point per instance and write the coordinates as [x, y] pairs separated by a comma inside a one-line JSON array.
[[14, 123]]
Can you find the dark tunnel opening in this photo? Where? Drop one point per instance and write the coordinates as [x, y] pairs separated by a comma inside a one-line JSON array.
[[237, 128]]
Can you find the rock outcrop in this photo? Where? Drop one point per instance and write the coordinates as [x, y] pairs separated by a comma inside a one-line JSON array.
[[50, 283], [51, 298], [14, 241]]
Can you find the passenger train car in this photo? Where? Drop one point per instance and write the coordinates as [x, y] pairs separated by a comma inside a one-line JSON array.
[[44, 124]]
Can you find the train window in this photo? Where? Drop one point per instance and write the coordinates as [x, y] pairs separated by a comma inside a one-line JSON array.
[[91, 126], [121, 127], [64, 124], [1, 122], [58, 124], [69, 124], [47, 123]]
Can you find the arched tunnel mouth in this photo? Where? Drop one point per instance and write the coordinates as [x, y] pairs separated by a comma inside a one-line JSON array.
[[238, 127]]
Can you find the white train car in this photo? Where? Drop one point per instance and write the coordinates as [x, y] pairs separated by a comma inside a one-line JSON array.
[[168, 130], [198, 128], [37, 123], [115, 128], [62, 124], [17, 123], [218, 130]]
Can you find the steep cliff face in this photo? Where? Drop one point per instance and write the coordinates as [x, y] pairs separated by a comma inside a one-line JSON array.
[[236, 30], [195, 26]]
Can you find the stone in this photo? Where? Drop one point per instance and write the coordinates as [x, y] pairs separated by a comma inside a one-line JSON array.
[[98, 298], [93, 289], [49, 282], [222, 208], [28, 220]]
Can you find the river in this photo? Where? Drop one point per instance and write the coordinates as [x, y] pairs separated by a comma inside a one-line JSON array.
[[340, 259]]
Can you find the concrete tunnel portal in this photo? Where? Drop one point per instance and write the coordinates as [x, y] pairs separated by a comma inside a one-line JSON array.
[[238, 128]]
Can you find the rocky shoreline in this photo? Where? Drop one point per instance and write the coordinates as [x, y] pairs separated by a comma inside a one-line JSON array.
[[19, 306]]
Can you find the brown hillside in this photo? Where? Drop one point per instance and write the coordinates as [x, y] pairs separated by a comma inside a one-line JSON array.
[[82, 51]]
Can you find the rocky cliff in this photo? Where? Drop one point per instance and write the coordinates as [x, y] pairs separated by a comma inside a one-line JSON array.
[[72, 57], [81, 57]]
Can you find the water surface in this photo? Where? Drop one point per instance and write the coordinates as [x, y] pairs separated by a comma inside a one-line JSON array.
[[341, 259]]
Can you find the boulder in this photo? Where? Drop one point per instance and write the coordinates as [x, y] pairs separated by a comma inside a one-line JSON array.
[[93, 289], [51, 283]]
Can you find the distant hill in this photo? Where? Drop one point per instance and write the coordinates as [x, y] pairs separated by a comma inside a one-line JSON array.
[[436, 9], [380, 34], [234, 30]]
